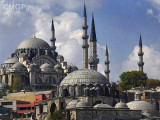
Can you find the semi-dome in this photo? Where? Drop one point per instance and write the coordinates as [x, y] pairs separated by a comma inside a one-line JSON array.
[[72, 104], [84, 76], [19, 65], [82, 104], [103, 106], [4, 86], [46, 66], [34, 43], [121, 105], [11, 60]]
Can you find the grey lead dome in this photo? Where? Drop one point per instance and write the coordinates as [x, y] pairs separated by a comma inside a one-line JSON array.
[[34, 43], [84, 76]]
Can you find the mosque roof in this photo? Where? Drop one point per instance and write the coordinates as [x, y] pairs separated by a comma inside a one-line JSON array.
[[19, 65], [34, 43], [84, 76], [11, 60]]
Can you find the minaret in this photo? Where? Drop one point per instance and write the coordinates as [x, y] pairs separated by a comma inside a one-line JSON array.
[[140, 54], [107, 71], [93, 60], [85, 39], [53, 39]]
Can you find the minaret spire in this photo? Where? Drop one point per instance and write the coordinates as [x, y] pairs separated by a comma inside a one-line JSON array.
[[85, 39], [140, 54], [93, 60], [107, 62], [53, 39]]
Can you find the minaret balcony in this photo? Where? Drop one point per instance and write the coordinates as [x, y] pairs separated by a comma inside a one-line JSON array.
[[85, 26], [107, 71], [106, 62], [85, 46], [85, 37], [93, 60], [140, 53], [53, 39], [140, 63]]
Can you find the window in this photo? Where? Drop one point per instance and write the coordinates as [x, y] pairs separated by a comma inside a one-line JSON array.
[[6, 103]]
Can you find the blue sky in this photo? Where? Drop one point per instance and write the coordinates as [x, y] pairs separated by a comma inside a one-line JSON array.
[[118, 24]]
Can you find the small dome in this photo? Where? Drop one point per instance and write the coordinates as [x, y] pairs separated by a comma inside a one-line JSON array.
[[146, 107], [19, 65], [82, 104], [72, 104], [121, 105], [102, 105], [11, 60], [84, 76], [58, 66], [46, 66], [4, 86], [34, 43], [74, 67]]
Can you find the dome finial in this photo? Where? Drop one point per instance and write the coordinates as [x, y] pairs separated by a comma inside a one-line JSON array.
[[34, 36]]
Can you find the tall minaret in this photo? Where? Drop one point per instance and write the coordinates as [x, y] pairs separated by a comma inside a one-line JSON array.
[[140, 54], [93, 60], [53, 39], [85, 39], [107, 71]]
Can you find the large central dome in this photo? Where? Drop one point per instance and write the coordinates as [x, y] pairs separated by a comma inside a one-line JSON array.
[[34, 43], [84, 76]]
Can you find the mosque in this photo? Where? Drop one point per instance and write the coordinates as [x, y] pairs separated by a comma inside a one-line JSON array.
[[85, 93], [36, 63], [88, 95]]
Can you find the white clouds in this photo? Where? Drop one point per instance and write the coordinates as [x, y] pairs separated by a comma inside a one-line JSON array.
[[150, 12], [156, 5], [151, 60], [67, 25]]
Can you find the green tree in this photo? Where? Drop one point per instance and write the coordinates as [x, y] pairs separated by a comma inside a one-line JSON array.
[[17, 84], [132, 79], [59, 115], [153, 83]]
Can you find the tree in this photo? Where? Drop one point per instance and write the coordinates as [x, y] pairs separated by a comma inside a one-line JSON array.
[[17, 84], [153, 83], [59, 115], [132, 79]]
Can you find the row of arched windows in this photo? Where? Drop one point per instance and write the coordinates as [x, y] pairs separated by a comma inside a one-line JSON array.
[[49, 80]]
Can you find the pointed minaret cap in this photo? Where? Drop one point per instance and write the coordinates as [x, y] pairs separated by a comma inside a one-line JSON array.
[[34, 36], [84, 14], [106, 50], [93, 31], [140, 41], [52, 27]]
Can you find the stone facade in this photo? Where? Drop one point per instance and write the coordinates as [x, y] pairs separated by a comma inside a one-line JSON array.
[[104, 114]]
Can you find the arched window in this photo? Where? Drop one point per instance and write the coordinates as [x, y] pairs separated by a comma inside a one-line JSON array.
[[38, 80], [50, 80]]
